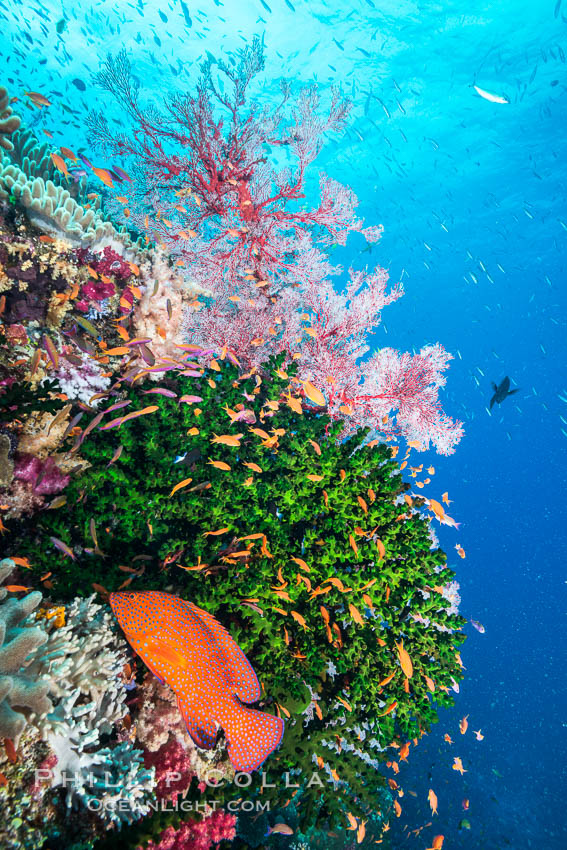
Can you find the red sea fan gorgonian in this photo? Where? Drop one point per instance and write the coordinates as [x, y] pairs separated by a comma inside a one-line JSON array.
[[203, 172], [211, 188]]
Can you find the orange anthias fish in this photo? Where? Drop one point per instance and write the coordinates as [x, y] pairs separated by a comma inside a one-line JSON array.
[[103, 175], [60, 164], [38, 99], [458, 765], [210, 675], [432, 798]]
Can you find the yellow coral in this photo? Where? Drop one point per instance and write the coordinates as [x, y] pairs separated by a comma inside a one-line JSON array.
[[57, 309], [17, 247], [6, 283], [55, 613]]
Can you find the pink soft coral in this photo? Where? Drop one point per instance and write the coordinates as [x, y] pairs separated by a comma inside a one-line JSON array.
[[173, 770], [97, 290], [197, 835], [112, 263], [159, 719], [106, 262], [44, 476]]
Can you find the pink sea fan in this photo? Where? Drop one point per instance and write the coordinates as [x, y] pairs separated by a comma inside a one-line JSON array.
[[44, 476], [197, 835], [257, 250], [373, 234]]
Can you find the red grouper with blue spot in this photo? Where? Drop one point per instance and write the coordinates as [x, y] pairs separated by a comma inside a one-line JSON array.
[[210, 675]]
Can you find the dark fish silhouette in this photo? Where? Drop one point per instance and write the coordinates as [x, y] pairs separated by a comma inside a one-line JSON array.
[[502, 391]]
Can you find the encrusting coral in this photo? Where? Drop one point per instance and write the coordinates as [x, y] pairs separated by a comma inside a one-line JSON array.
[[20, 690], [27, 810]]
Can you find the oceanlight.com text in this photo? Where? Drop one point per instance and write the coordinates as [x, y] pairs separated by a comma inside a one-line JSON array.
[[205, 809]]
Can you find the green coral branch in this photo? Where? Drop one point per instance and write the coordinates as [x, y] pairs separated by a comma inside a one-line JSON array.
[[302, 548]]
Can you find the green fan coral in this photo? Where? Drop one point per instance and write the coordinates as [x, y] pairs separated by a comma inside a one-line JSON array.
[[304, 546]]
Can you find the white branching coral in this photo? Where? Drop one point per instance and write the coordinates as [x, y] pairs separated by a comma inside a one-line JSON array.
[[365, 733], [110, 781], [84, 660], [450, 592], [308, 713], [330, 669], [66, 680]]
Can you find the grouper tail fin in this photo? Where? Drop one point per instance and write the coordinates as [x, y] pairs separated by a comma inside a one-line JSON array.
[[252, 735]]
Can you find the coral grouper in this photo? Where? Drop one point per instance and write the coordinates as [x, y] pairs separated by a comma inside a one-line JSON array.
[[187, 648]]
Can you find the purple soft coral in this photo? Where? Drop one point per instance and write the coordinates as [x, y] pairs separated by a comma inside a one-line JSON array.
[[44, 475], [97, 290]]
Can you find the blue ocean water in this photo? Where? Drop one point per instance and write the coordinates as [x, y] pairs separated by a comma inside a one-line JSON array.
[[472, 196]]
